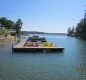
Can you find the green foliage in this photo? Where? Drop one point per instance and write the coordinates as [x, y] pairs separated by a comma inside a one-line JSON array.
[[1, 32], [81, 29], [71, 30], [13, 34], [3, 21], [18, 26], [6, 23], [4, 32], [9, 24]]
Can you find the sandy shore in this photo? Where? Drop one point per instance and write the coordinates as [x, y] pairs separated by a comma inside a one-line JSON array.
[[7, 39]]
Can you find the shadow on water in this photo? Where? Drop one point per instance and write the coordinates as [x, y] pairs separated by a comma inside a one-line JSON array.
[[38, 52]]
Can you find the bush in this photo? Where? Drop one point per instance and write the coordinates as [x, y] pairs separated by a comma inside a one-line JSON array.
[[13, 34]]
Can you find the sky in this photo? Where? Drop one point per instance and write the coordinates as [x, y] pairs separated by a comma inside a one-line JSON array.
[[53, 16]]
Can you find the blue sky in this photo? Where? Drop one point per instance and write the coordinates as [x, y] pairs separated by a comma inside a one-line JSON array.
[[44, 15]]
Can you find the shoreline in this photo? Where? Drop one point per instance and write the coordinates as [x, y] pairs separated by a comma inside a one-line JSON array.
[[4, 40]]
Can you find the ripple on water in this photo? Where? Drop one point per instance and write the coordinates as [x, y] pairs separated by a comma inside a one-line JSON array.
[[45, 66]]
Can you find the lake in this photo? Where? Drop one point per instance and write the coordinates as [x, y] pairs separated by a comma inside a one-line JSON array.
[[67, 65]]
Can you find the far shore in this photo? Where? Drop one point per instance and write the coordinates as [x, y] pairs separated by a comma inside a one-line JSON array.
[[37, 32]]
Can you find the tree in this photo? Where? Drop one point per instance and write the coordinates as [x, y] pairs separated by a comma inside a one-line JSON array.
[[71, 30], [6, 23], [3, 21], [81, 29], [10, 24], [18, 26]]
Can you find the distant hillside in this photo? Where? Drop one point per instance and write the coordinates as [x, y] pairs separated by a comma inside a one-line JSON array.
[[31, 32], [37, 32], [57, 33]]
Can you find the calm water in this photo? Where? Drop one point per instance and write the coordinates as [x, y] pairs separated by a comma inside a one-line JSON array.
[[67, 65]]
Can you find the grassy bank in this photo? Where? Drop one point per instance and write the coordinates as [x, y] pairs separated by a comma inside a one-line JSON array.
[[4, 32], [5, 36]]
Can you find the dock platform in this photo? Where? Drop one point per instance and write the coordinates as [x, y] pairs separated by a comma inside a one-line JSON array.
[[21, 48]]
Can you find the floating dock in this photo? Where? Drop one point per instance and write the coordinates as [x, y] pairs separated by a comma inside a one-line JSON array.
[[20, 47]]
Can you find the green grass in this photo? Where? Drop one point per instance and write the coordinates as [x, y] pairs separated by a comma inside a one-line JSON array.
[[4, 32]]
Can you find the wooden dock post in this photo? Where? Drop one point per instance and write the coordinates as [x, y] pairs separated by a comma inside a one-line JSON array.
[[12, 48]]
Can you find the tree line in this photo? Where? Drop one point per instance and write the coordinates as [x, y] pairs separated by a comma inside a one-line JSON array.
[[71, 31], [9, 24], [80, 29]]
